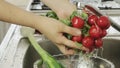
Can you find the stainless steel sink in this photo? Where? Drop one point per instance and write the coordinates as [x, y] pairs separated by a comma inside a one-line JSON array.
[[111, 52]]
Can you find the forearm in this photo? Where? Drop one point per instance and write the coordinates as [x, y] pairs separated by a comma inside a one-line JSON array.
[[15, 15]]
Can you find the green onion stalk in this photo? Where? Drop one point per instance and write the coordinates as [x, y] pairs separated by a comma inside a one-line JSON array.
[[48, 59]]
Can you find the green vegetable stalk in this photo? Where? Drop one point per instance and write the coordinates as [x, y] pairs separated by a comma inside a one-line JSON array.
[[49, 60]]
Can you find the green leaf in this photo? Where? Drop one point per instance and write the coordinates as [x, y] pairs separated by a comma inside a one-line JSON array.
[[85, 30], [84, 15], [66, 21], [75, 13], [52, 15], [68, 36]]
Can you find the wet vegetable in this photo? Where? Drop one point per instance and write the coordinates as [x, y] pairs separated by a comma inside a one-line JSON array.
[[77, 22], [88, 42], [92, 19], [49, 60], [98, 43], [104, 33], [77, 38], [95, 32], [103, 22], [93, 28]]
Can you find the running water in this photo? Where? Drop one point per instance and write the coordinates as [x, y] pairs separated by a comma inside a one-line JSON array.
[[84, 60]]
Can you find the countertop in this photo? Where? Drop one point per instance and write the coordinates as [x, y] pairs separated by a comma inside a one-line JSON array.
[[9, 45], [19, 3]]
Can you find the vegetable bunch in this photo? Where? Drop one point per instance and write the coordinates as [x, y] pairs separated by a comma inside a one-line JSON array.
[[93, 28]]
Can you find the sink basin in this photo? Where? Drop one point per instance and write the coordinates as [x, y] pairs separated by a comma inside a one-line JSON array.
[[111, 50], [78, 61]]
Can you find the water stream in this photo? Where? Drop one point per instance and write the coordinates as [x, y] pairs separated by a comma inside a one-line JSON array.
[[84, 60]]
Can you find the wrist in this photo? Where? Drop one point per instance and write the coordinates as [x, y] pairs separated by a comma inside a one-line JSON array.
[[66, 10], [41, 23]]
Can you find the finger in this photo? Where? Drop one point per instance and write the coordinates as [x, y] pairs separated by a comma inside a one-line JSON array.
[[72, 44], [72, 31], [65, 50], [84, 48]]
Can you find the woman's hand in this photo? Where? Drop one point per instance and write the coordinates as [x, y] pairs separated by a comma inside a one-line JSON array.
[[54, 30], [63, 8]]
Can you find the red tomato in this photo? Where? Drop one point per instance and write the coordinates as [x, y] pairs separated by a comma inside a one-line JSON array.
[[77, 22]]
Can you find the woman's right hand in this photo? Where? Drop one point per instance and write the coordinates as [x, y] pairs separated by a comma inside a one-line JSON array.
[[54, 29]]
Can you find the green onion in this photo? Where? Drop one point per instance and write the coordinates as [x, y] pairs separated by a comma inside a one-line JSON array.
[[49, 60]]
